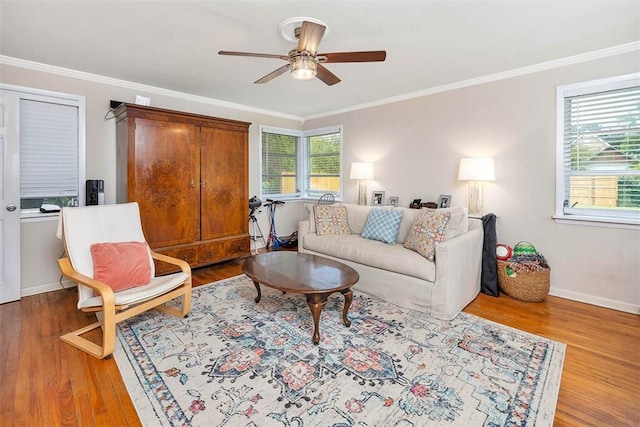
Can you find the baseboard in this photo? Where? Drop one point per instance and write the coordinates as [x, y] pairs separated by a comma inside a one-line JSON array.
[[599, 301], [47, 287], [562, 293]]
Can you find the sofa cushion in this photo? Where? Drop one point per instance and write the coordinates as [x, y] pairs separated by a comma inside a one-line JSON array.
[[428, 230], [330, 219], [373, 253], [407, 223], [358, 215], [383, 225]]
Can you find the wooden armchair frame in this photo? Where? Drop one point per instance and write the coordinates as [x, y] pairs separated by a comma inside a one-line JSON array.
[[112, 314]]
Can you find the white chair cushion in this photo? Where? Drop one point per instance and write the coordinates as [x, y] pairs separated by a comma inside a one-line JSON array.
[[86, 225], [83, 226], [158, 286]]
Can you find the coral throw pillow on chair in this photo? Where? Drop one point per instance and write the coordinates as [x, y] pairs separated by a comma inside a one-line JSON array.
[[121, 265]]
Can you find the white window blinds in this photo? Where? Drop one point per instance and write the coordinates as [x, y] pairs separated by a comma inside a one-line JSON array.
[[280, 156], [323, 163], [301, 163], [601, 152], [48, 150]]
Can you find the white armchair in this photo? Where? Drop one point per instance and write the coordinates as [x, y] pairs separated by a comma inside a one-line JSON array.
[[82, 227]]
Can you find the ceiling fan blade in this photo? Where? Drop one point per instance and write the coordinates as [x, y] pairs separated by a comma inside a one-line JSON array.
[[258, 55], [272, 75], [310, 36], [326, 76], [368, 56]]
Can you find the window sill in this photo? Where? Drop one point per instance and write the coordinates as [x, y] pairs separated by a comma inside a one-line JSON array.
[[593, 221], [296, 199], [37, 216]]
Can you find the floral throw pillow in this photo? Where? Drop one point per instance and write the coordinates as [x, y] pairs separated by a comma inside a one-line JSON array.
[[331, 220], [428, 230]]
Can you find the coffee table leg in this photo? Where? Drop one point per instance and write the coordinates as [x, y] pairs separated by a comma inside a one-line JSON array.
[[257, 285], [348, 297], [316, 303]]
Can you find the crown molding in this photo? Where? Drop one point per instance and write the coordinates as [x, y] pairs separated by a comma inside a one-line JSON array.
[[530, 69], [96, 78]]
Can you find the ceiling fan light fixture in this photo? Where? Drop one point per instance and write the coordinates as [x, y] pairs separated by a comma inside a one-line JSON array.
[[304, 67]]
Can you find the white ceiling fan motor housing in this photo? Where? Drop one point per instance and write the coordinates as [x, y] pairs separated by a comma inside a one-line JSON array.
[[287, 28]]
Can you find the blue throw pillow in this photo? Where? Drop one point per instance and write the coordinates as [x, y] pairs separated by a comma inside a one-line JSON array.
[[383, 225]]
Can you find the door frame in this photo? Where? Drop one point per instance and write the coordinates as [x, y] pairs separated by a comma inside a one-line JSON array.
[[10, 240], [10, 283]]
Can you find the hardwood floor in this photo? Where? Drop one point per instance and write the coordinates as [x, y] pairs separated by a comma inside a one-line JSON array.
[[45, 382]]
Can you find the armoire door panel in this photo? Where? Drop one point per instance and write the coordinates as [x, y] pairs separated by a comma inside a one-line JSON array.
[[166, 181], [224, 170]]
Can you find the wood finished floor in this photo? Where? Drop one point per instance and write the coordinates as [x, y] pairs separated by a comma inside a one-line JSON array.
[[45, 382]]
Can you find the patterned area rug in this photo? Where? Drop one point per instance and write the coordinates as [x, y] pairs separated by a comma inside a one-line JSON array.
[[237, 363]]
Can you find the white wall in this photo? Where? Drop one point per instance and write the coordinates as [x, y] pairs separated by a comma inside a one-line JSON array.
[[39, 246], [417, 144]]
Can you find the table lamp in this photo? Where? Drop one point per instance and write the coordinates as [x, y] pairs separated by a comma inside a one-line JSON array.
[[476, 170], [362, 171]]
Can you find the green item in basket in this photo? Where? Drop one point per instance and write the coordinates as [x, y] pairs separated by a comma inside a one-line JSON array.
[[524, 248]]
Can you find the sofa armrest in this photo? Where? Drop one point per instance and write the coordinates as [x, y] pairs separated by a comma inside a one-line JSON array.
[[304, 228], [458, 269]]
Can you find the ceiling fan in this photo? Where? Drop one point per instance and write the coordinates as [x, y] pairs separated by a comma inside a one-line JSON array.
[[305, 63]]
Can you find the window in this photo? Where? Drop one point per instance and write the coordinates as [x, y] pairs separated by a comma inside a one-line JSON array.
[[301, 164], [280, 162], [323, 150], [598, 146], [48, 153], [47, 129]]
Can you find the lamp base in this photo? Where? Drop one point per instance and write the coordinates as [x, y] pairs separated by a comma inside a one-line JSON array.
[[362, 192], [475, 198]]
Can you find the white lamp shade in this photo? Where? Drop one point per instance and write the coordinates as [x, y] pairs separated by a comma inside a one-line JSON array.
[[477, 169], [361, 170]]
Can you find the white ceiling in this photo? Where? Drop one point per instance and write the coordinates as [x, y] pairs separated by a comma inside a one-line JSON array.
[[429, 44]]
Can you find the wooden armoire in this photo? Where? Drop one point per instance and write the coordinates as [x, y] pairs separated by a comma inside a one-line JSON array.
[[189, 174]]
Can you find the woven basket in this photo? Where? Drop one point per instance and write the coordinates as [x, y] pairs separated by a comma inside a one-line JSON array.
[[532, 286]]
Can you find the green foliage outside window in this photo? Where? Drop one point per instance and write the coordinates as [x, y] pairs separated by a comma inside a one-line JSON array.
[[279, 160]]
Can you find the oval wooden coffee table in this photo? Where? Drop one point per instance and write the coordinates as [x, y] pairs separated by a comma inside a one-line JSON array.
[[314, 276]]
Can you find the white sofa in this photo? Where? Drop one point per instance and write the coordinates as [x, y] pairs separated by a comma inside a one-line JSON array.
[[399, 275]]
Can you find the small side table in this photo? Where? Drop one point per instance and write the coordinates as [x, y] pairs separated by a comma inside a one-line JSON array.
[[480, 215]]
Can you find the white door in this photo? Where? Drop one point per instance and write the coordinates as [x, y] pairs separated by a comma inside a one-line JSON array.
[[9, 202]]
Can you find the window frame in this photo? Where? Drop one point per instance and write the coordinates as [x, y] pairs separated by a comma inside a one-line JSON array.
[[306, 157], [78, 101], [303, 164], [586, 216], [288, 132]]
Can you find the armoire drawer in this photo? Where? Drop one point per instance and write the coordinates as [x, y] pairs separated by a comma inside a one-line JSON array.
[[224, 249], [189, 254]]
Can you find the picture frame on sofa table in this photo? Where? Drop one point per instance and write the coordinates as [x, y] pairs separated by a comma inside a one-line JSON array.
[[444, 201], [393, 201], [377, 198]]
